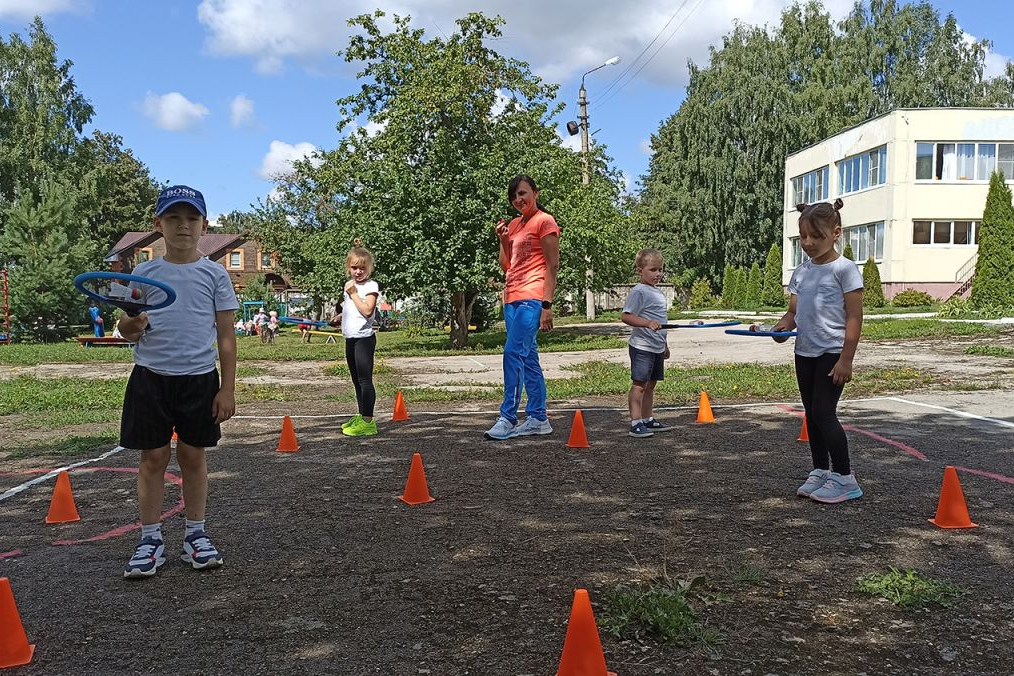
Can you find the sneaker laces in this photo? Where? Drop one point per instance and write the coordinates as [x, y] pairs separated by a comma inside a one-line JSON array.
[[144, 551], [202, 544]]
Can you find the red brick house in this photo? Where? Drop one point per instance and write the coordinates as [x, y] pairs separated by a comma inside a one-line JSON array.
[[243, 259]]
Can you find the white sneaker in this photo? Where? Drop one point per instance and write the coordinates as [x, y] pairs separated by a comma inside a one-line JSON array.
[[501, 429], [814, 481], [837, 488], [533, 426]]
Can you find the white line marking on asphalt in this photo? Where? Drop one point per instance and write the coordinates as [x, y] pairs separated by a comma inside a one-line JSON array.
[[954, 411], [49, 475]]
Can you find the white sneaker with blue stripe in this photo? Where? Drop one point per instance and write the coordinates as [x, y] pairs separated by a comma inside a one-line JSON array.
[[533, 426], [501, 429], [148, 556], [199, 552]]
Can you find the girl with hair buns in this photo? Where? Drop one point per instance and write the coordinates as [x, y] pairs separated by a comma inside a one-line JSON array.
[[826, 309], [358, 315]]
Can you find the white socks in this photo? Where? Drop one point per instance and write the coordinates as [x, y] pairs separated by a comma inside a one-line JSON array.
[[152, 530], [193, 527]]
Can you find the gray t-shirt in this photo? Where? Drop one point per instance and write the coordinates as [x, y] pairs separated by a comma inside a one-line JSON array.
[[647, 302], [180, 339], [820, 304]]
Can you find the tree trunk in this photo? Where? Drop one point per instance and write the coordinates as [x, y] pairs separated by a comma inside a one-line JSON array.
[[461, 315]]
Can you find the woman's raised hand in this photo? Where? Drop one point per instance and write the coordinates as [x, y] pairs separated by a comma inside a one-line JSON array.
[[501, 230]]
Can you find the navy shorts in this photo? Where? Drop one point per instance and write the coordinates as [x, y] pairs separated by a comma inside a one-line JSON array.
[[154, 404], [645, 366]]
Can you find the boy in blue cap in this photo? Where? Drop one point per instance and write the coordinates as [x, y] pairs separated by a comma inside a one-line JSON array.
[[174, 383]]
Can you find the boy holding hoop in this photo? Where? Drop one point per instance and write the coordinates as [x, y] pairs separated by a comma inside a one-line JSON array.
[[174, 383]]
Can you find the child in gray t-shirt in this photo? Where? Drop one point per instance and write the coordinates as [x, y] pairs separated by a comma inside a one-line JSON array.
[[646, 310]]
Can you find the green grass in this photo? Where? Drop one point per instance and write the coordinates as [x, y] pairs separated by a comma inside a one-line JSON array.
[[28, 394], [899, 329], [65, 446], [747, 574], [909, 588], [664, 610], [249, 371], [991, 351]]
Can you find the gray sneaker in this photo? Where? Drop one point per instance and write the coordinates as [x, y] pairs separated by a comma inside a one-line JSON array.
[[814, 481], [533, 426], [501, 429], [640, 430], [837, 489]]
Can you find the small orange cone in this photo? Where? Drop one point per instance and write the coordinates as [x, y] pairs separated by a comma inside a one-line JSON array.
[[400, 412], [416, 490], [582, 649], [803, 434], [578, 436], [62, 508], [704, 414], [952, 512], [174, 441], [288, 443], [14, 648]]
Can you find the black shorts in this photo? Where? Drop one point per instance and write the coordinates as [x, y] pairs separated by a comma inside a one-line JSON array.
[[645, 366], [154, 404]]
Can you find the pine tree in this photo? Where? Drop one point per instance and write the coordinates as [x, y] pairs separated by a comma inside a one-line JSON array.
[[754, 287], [773, 293], [727, 283], [994, 275], [739, 289], [873, 290], [848, 253]]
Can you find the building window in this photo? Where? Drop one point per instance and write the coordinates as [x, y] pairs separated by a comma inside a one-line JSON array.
[[945, 233], [144, 255], [963, 161], [266, 260], [235, 259], [810, 188], [798, 255], [866, 170], [866, 241]]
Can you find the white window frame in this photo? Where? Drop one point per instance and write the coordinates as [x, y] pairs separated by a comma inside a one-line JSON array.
[[797, 254], [861, 166], [973, 233], [228, 259], [819, 187], [881, 226], [957, 173]]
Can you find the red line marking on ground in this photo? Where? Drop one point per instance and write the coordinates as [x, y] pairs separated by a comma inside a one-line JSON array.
[[991, 475], [7, 555], [915, 453]]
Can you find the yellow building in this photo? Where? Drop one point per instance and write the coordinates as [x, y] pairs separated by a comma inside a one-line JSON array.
[[914, 183]]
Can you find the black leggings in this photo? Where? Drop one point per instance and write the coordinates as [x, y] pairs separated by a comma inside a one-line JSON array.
[[359, 357], [820, 400]]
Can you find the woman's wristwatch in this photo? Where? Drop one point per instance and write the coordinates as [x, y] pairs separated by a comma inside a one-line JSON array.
[[547, 305]]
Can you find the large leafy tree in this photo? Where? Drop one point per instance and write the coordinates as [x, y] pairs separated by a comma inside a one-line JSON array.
[[456, 121], [714, 189]]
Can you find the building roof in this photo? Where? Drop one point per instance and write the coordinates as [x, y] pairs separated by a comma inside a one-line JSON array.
[[212, 246], [131, 240]]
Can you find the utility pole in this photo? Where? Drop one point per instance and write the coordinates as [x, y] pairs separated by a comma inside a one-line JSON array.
[[582, 102]]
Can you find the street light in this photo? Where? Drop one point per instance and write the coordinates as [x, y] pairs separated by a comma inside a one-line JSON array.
[[572, 128]]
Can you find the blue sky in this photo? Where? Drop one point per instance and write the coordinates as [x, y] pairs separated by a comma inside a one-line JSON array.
[[220, 94]]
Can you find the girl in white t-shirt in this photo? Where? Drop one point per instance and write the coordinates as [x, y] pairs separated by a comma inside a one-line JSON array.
[[826, 308], [358, 315]]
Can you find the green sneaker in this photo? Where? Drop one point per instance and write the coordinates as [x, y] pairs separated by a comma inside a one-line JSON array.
[[361, 429], [352, 421]]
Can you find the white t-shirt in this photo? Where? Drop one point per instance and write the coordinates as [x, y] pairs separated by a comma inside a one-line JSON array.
[[648, 302], [180, 339], [354, 324], [820, 304]]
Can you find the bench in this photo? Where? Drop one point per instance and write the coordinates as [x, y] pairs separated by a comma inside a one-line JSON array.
[[109, 341], [330, 335]]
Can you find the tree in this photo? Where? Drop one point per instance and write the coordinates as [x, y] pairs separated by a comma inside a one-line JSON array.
[[44, 250], [873, 289], [773, 294], [727, 283], [848, 253], [258, 289], [713, 193], [739, 289], [457, 121], [754, 288], [700, 295], [993, 283]]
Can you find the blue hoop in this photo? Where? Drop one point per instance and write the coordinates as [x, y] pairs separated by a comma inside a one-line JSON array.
[[132, 309], [769, 334], [300, 320], [701, 326]]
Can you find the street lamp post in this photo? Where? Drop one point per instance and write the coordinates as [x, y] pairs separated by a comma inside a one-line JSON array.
[[582, 102]]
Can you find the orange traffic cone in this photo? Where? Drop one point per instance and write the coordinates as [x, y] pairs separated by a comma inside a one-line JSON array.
[[14, 648], [704, 414], [174, 441], [952, 512], [287, 443], [400, 412], [582, 649], [416, 490], [803, 434], [578, 436], [62, 508]]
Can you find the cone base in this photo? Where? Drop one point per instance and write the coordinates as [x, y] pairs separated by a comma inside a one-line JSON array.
[[55, 521], [288, 450], [569, 445], [706, 422], [940, 525], [20, 661], [399, 418], [407, 501]]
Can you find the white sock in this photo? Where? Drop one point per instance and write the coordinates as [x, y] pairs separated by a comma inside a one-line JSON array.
[[193, 527], [634, 421], [151, 530]]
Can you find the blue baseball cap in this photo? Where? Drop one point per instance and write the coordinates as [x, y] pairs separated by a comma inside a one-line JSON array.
[[180, 193]]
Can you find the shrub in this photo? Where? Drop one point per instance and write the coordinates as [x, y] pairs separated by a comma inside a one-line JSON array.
[[773, 293], [728, 280], [754, 286], [994, 276], [700, 295], [847, 253], [873, 290], [911, 298]]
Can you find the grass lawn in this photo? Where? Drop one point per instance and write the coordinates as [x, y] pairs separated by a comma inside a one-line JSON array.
[[895, 329]]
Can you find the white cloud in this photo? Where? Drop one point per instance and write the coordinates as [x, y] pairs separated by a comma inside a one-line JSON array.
[[645, 146], [570, 37], [173, 111], [568, 141], [628, 182], [242, 111], [280, 156], [26, 9], [994, 64]]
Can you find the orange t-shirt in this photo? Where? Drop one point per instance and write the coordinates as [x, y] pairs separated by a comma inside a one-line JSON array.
[[526, 276]]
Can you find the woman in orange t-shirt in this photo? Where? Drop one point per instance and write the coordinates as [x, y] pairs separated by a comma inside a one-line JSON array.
[[530, 255]]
